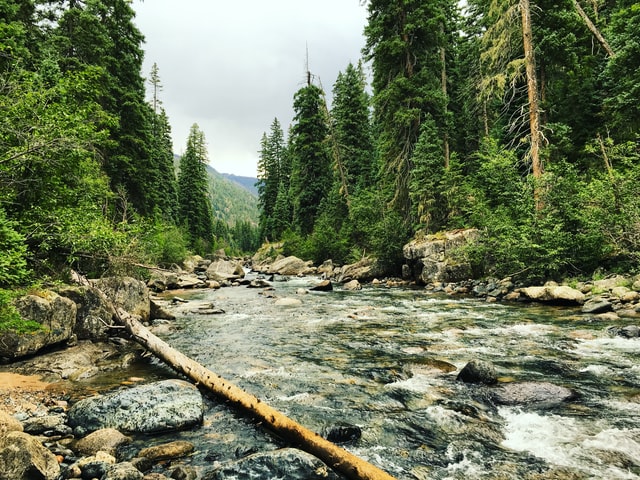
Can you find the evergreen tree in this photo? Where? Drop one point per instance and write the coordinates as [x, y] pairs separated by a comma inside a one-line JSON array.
[[270, 164], [352, 127], [404, 42], [195, 208], [310, 160]]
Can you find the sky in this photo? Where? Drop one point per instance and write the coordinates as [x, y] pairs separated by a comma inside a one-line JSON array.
[[234, 66]]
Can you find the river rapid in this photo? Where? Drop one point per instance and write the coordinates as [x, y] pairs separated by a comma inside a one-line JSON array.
[[386, 360]]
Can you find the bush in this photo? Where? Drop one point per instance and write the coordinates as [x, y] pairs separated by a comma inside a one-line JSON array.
[[13, 253]]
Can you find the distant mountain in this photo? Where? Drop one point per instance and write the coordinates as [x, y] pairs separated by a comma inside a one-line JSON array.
[[232, 200], [247, 182]]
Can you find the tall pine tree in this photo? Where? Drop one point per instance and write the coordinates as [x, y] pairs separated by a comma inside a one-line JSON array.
[[196, 213]]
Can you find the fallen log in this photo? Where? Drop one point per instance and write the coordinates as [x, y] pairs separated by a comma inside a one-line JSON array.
[[336, 457]]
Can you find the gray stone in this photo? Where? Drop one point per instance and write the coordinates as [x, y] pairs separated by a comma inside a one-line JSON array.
[[22, 457], [222, 270], [597, 305], [166, 451], [56, 314], [95, 312], [478, 371], [127, 293], [288, 463], [365, 269], [352, 286], [555, 294], [41, 424], [122, 471], [106, 440], [9, 423], [291, 266], [532, 393], [323, 286], [155, 407]]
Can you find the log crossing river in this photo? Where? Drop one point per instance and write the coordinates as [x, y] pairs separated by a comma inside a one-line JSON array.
[[386, 360]]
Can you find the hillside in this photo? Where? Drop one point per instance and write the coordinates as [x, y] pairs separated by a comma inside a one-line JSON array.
[[232, 200], [247, 182]]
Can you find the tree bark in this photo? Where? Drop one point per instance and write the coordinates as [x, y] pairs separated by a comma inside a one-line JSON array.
[[532, 89], [335, 457]]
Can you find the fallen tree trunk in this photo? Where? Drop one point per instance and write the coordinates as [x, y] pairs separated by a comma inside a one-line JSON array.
[[337, 458]]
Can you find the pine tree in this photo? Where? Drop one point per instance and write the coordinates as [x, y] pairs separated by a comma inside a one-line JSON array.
[[270, 164], [310, 160], [352, 127], [195, 208]]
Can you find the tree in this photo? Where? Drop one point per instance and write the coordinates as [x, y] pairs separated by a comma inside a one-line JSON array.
[[404, 42], [195, 208], [270, 175], [352, 127], [310, 160]]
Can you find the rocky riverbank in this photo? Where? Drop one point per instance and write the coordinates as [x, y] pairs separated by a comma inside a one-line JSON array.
[[65, 430]]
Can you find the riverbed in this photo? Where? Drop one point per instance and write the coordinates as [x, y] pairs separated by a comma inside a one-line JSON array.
[[386, 360]]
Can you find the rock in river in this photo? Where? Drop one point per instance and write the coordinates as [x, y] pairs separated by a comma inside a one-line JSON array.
[[288, 463], [532, 393], [478, 371], [22, 457], [150, 408]]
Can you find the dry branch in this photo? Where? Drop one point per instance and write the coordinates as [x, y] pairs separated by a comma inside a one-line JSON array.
[[336, 457]]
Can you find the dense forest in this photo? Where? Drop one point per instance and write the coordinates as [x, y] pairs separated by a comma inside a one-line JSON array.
[[87, 173], [518, 118]]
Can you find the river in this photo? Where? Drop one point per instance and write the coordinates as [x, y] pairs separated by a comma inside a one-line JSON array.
[[383, 359]]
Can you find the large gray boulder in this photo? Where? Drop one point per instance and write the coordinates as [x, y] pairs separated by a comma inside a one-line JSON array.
[[127, 293], [95, 313], [291, 266], [478, 371], [365, 269], [436, 258], [288, 463], [150, 408], [221, 270], [554, 294], [22, 457], [56, 314]]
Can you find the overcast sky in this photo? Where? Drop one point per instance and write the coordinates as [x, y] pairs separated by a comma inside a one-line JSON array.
[[232, 66]]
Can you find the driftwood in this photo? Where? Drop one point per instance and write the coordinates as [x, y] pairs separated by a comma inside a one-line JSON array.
[[336, 457]]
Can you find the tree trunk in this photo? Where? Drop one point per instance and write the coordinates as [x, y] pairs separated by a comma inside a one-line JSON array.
[[335, 457], [532, 89], [594, 30]]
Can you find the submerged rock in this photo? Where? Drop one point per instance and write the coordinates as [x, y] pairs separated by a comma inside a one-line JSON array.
[[597, 305], [323, 286], [342, 433], [289, 463], [532, 393], [150, 408]]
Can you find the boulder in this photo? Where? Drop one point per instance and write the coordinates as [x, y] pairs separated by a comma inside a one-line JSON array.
[[104, 440], [554, 294], [122, 471], [365, 269], [95, 312], [53, 423], [56, 314], [9, 424], [352, 286], [436, 258], [326, 269], [222, 270], [291, 266], [342, 433], [597, 305], [22, 457], [323, 286], [608, 284], [478, 371], [167, 451], [158, 312], [150, 408], [162, 280], [288, 302], [289, 463], [532, 393], [127, 293]]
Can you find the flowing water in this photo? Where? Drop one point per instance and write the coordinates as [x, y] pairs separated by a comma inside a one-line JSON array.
[[386, 360]]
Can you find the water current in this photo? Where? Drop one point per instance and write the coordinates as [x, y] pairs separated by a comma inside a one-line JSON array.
[[386, 360]]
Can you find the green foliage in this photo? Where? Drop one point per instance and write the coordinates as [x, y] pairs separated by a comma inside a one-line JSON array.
[[165, 245], [193, 195], [10, 319], [13, 251]]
